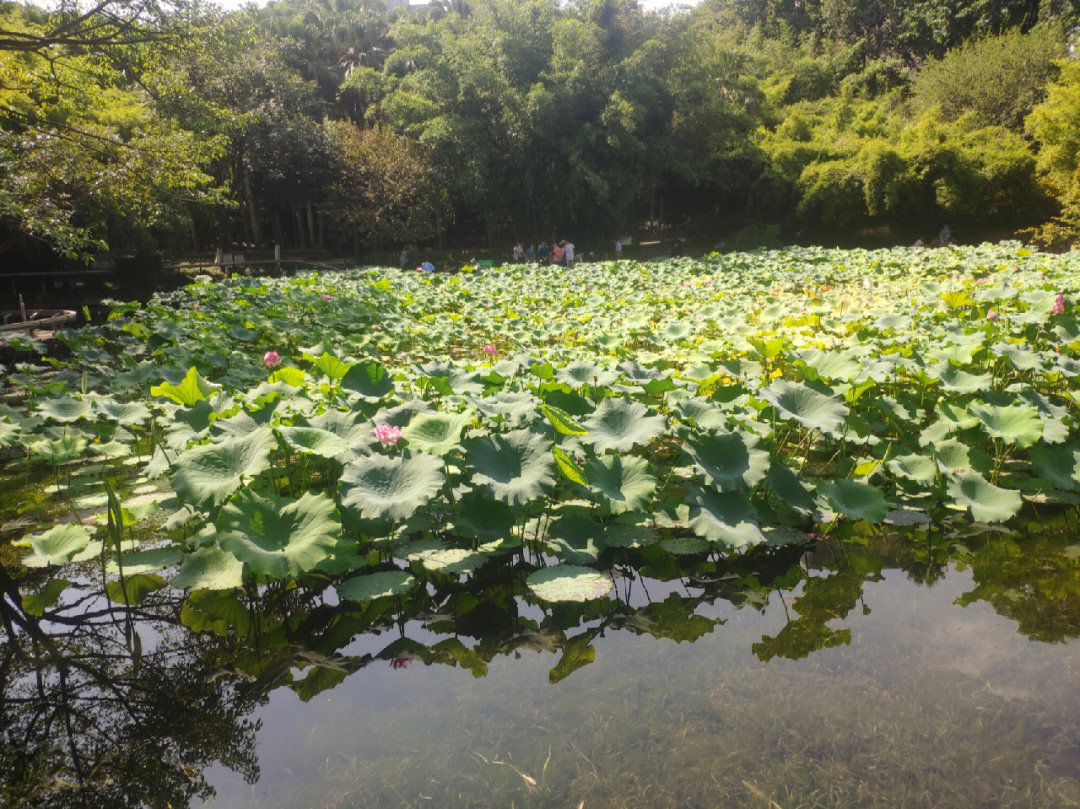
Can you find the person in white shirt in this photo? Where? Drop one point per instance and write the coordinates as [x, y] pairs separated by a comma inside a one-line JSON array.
[[519, 252], [568, 254]]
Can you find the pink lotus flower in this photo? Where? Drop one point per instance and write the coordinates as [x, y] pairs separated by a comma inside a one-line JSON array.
[[271, 359], [992, 315], [708, 282], [325, 297], [699, 316], [1059, 304], [387, 434], [686, 284], [491, 350]]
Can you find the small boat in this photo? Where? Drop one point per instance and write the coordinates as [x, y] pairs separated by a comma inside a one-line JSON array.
[[15, 320]]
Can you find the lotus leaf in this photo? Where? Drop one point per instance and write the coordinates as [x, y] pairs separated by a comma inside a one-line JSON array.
[[192, 389], [1014, 424], [436, 433], [381, 487], [618, 424], [724, 518], [59, 545], [813, 410], [276, 537], [209, 568], [516, 466], [621, 482], [370, 586], [854, 500], [985, 501], [730, 461], [64, 410], [568, 583], [313, 441], [206, 475]]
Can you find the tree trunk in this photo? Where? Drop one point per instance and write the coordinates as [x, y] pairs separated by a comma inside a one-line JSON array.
[[253, 213], [299, 227], [310, 224]]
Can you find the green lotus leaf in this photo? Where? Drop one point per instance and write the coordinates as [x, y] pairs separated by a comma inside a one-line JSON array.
[[731, 461], [193, 388], [393, 488], [724, 518], [951, 455], [621, 482], [516, 466], [1059, 465], [126, 414], [148, 561], [36, 603], [581, 373], [356, 434], [854, 500], [842, 365], [436, 433], [61, 544], [954, 379], [209, 568], [480, 518], [132, 590], [370, 586], [1014, 424], [684, 546], [562, 421], [630, 535], [789, 489], [568, 583], [215, 610], [575, 539], [704, 415], [402, 414], [917, 468], [331, 366], [10, 433], [370, 379], [276, 537], [206, 475], [813, 410], [452, 561], [618, 424], [60, 450], [313, 441], [568, 468], [64, 410], [985, 501]]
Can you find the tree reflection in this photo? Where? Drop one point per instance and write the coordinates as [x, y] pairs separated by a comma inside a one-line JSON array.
[[103, 706], [92, 716]]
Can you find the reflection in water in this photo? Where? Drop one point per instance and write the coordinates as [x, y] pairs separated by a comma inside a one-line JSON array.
[[920, 669]]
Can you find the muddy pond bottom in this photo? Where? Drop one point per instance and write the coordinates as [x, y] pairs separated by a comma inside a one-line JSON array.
[[852, 690]]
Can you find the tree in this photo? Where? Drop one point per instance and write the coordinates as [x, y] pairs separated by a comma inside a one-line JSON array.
[[999, 79], [384, 188]]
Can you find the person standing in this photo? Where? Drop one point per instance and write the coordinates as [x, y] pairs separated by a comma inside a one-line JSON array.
[[519, 252], [530, 253], [568, 251], [542, 253], [403, 259], [557, 253], [618, 249]]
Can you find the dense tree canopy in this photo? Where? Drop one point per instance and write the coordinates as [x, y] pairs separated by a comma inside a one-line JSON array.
[[343, 125]]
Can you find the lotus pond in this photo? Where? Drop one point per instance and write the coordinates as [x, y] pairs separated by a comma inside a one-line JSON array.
[[793, 528]]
